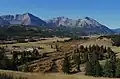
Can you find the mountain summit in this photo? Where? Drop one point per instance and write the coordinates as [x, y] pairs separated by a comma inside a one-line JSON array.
[[24, 19], [29, 19], [87, 24]]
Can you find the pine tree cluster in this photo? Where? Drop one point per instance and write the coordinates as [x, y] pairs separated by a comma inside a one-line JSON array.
[[91, 57]]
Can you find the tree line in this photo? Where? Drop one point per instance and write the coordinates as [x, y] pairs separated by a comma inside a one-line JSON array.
[[18, 58], [114, 38], [91, 57]]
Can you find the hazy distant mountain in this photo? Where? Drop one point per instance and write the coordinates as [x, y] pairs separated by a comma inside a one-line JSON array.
[[3, 22], [87, 24], [13, 19], [24, 19], [116, 30]]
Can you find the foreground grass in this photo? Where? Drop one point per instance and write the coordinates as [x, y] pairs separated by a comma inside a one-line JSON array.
[[49, 76]]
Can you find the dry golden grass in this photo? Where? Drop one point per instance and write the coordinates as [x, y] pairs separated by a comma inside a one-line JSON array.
[[49, 76], [46, 44]]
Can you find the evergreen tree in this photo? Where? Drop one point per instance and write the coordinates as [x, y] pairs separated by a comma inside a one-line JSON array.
[[2, 53], [56, 46], [94, 66], [90, 48], [109, 52], [113, 63], [88, 69], [85, 56], [26, 68], [77, 61], [95, 63], [98, 69], [110, 66], [82, 49], [15, 59], [97, 48], [118, 68], [35, 53], [108, 69], [66, 64]]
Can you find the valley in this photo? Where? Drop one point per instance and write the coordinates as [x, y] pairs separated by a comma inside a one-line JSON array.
[[53, 55], [59, 39]]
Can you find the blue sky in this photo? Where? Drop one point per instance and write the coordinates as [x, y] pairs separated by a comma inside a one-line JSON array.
[[106, 12]]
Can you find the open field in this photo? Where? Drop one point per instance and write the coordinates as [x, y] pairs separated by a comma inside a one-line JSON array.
[[30, 44], [45, 44]]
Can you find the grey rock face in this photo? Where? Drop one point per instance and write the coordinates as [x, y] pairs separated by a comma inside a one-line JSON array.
[[61, 21], [87, 24], [24, 19], [29, 19]]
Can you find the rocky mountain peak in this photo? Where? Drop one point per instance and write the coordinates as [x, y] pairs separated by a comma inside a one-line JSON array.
[[24, 19], [88, 18], [28, 14], [30, 19], [89, 22]]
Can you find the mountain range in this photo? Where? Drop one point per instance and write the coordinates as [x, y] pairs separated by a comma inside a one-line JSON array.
[[87, 24]]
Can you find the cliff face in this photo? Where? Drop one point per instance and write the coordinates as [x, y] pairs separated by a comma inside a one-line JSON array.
[[87, 24], [29, 19], [24, 19]]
